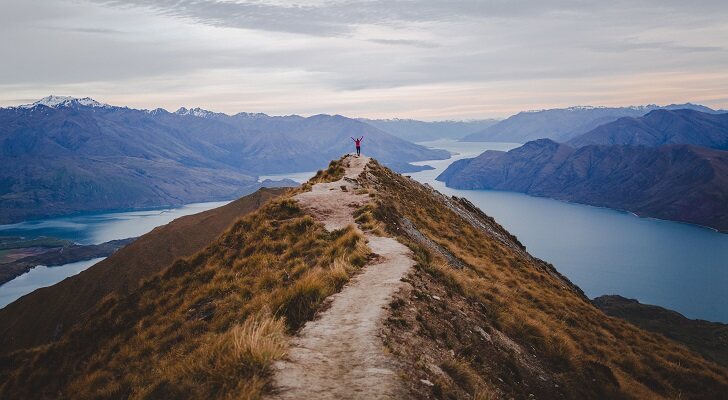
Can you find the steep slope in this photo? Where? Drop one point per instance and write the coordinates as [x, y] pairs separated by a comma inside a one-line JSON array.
[[481, 318], [562, 124], [339, 353], [420, 131], [707, 338], [208, 326], [676, 182], [43, 315], [661, 127], [477, 317], [61, 156]]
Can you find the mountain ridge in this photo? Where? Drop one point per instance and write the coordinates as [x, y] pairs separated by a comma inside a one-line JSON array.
[[676, 182], [74, 156], [421, 131], [475, 316], [563, 124], [660, 127], [59, 307]]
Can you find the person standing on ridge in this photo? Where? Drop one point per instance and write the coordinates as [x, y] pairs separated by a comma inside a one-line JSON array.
[[357, 143]]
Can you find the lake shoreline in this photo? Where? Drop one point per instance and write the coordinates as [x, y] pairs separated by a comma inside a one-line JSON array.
[[58, 257]]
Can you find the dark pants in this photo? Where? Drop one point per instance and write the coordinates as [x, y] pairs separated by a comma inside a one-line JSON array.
[[358, 150]]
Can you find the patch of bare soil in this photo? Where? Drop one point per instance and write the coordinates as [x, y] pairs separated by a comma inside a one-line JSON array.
[[341, 354]]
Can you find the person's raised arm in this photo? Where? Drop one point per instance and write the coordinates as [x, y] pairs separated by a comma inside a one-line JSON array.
[[361, 138], [353, 139]]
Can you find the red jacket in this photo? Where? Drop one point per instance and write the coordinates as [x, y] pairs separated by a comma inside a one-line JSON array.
[[357, 142]]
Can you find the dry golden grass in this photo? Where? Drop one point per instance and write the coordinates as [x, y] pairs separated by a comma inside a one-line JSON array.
[[209, 326], [590, 354], [332, 173]]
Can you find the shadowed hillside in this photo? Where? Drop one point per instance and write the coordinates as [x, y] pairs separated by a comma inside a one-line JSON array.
[[43, 315], [484, 319], [676, 182], [661, 127], [77, 155], [562, 124], [476, 317], [707, 338]]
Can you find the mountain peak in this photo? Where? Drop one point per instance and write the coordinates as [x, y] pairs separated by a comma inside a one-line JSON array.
[[196, 112], [65, 101]]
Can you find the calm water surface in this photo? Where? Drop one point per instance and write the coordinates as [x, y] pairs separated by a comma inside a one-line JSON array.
[[92, 228], [675, 265], [38, 277], [679, 266]]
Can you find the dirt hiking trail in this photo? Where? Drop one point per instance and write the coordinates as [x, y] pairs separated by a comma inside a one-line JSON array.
[[340, 355]]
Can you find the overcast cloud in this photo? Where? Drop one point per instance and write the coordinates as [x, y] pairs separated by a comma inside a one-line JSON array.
[[376, 58]]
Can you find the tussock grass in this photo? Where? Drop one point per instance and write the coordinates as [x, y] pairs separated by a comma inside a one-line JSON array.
[[232, 363], [209, 326], [332, 173], [588, 354], [364, 216]]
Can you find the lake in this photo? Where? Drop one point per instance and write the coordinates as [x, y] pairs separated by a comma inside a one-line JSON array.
[[679, 266], [91, 228], [675, 265]]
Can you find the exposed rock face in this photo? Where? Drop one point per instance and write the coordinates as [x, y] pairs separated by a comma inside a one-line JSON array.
[[661, 127], [676, 182]]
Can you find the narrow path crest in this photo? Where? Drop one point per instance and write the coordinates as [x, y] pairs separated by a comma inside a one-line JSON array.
[[340, 354]]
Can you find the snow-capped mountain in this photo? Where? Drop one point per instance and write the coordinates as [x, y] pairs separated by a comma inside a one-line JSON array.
[[197, 112], [65, 101]]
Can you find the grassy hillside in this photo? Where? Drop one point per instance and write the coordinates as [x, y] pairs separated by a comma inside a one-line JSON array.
[[484, 319], [45, 314], [480, 318], [707, 338], [208, 326]]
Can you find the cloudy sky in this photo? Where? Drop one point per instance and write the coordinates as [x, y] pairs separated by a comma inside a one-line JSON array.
[[456, 59]]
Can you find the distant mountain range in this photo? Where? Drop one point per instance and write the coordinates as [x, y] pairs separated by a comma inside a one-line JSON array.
[[63, 155], [221, 304], [668, 164], [660, 127], [677, 182], [420, 131], [564, 124]]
